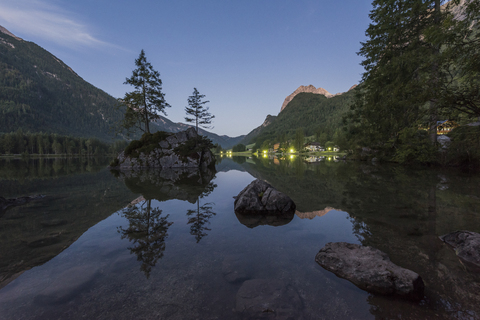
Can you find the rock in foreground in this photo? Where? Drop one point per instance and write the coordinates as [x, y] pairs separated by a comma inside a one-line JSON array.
[[467, 247], [370, 269], [259, 197]]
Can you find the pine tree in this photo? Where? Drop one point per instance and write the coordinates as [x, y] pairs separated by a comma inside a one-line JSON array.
[[398, 90], [147, 100], [196, 112]]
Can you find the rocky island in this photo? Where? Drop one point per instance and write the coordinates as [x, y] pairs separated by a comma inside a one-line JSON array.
[[185, 149]]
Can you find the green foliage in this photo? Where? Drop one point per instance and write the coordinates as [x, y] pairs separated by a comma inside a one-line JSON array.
[[414, 147], [40, 93], [144, 104], [199, 114], [421, 65], [299, 140], [48, 143], [314, 113], [192, 147], [239, 148], [147, 143], [464, 148]]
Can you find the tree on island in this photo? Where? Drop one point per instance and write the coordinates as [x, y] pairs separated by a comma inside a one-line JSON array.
[[197, 112], [144, 104]]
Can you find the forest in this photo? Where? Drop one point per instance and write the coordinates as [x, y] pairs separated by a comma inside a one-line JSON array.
[[54, 144]]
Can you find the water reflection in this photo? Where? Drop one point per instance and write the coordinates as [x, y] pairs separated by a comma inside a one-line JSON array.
[[147, 226], [252, 221], [76, 193], [147, 231], [199, 218], [401, 212]]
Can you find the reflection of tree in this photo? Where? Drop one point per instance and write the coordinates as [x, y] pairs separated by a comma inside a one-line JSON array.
[[147, 231], [199, 218]]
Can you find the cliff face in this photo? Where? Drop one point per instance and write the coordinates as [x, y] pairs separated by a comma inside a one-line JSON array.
[[310, 89]]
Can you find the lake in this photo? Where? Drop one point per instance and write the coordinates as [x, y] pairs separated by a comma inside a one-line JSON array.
[[167, 244]]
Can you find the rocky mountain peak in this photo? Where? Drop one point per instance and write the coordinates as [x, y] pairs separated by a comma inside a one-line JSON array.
[[3, 30], [309, 89]]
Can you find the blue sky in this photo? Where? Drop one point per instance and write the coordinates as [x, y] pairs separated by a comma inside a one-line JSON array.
[[246, 56]]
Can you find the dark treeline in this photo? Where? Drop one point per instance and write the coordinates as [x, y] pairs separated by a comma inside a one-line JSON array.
[[49, 143]]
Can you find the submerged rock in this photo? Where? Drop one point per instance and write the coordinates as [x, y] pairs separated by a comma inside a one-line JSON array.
[[467, 247], [259, 197], [268, 299], [370, 269]]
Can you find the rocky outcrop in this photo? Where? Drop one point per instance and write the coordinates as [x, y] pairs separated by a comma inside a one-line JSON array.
[[467, 247], [259, 197], [175, 151], [370, 269], [3, 30], [311, 89]]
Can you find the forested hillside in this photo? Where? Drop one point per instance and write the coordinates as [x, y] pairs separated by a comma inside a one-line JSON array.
[[38, 92], [314, 113]]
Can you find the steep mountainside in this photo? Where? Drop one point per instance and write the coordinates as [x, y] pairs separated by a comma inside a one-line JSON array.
[[255, 132], [310, 89], [311, 112], [38, 92]]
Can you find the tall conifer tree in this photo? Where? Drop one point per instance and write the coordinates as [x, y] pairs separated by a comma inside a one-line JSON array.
[[197, 112], [147, 100], [401, 71]]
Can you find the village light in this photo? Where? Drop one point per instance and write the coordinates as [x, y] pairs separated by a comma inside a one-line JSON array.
[[291, 150]]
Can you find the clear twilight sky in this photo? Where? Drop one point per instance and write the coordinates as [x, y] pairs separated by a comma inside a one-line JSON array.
[[246, 56]]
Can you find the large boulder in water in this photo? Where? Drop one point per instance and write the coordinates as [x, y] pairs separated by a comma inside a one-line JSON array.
[[370, 269], [259, 197], [467, 247], [185, 149]]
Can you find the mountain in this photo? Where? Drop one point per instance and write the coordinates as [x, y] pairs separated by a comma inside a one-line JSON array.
[[310, 89], [38, 92], [314, 110], [225, 141], [314, 113], [255, 132]]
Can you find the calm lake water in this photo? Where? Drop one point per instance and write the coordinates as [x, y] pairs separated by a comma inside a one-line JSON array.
[[179, 251]]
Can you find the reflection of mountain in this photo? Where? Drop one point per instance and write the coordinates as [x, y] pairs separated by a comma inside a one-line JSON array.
[[225, 164], [401, 212], [34, 233], [169, 183], [313, 214], [252, 221]]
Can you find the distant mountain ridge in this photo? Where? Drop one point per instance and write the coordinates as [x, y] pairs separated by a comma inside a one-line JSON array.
[[38, 92]]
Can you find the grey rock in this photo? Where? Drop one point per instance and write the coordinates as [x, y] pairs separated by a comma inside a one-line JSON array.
[[259, 197], [165, 156], [268, 299], [370, 269], [467, 247]]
